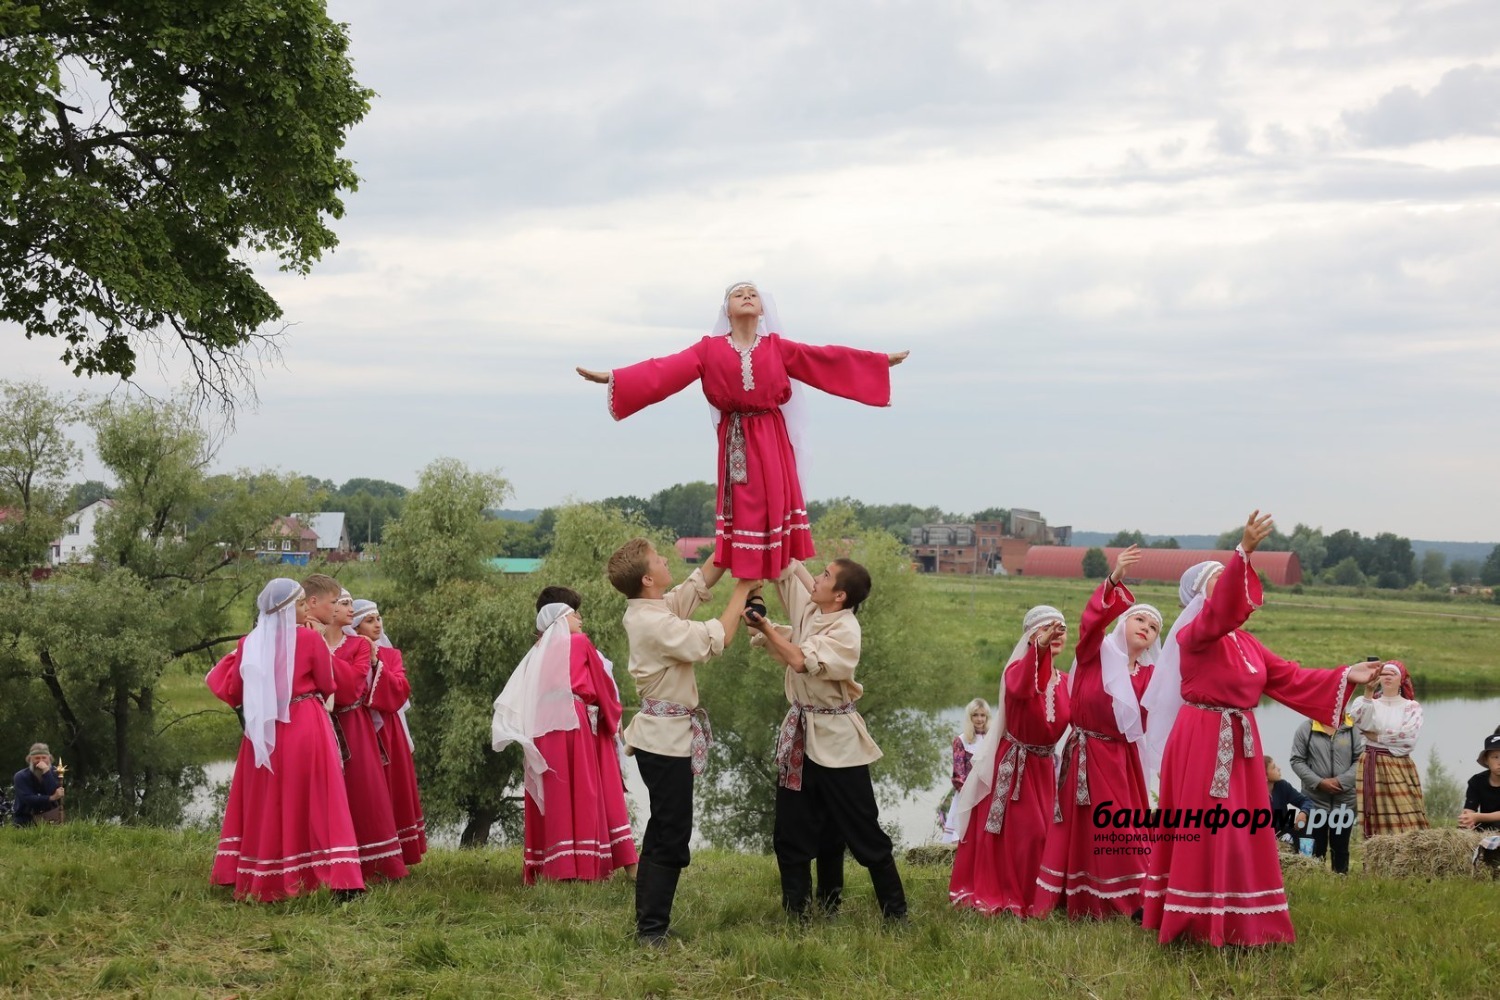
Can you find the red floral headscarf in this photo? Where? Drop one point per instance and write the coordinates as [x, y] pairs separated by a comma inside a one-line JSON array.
[[1407, 691]]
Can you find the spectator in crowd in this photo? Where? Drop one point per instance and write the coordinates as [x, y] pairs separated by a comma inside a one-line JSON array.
[[1325, 760], [38, 788]]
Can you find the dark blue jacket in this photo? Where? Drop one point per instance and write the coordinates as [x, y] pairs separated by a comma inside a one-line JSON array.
[[1284, 794], [33, 794]]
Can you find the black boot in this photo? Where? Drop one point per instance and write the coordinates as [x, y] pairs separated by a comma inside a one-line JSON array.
[[888, 890], [830, 892], [655, 888], [796, 887]]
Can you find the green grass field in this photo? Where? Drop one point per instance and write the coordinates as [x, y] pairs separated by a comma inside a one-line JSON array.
[[93, 911], [1449, 647]]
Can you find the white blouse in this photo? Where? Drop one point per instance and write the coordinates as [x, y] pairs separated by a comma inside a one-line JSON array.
[[1390, 723]]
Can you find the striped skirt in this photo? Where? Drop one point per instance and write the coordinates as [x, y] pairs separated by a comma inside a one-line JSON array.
[[1389, 792]]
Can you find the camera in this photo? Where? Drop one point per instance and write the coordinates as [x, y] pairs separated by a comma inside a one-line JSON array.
[[755, 608]]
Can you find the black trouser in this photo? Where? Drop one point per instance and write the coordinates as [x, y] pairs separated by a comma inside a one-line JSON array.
[[843, 797], [1323, 837], [669, 787], [835, 804]]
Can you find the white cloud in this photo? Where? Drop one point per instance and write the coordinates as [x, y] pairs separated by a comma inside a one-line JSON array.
[[1093, 224]]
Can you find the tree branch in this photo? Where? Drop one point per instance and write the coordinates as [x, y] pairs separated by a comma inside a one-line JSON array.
[[207, 644]]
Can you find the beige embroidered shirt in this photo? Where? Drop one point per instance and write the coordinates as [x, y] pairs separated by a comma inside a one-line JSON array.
[[665, 647], [830, 645]]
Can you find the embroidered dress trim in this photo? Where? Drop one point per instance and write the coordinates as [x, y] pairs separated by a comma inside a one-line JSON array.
[[747, 371]]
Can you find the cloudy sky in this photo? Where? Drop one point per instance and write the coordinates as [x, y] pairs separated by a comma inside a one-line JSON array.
[[1156, 263]]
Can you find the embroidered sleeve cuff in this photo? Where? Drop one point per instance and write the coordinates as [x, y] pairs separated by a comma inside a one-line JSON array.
[[1340, 697], [609, 397]]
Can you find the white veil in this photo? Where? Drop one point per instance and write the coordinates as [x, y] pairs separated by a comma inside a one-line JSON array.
[[982, 770], [267, 662], [538, 698], [1114, 660], [1163, 698], [794, 410]]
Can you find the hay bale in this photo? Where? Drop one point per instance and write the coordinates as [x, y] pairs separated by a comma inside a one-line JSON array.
[[1296, 860], [932, 854], [1444, 852]]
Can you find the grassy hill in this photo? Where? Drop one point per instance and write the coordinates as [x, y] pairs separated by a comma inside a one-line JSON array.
[[103, 911]]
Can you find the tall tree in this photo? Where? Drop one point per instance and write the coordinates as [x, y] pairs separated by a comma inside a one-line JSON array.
[[1434, 568], [149, 149], [1489, 573], [1095, 564], [36, 457], [1124, 539], [687, 508], [167, 585]]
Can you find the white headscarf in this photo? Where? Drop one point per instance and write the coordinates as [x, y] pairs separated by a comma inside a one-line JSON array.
[[267, 662], [982, 771], [794, 410], [362, 610], [538, 698], [1163, 698], [1114, 660]]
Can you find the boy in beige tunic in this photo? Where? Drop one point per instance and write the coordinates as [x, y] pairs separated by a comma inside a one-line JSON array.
[[670, 735], [823, 752]]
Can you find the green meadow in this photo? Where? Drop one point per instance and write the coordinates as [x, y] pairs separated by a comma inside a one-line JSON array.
[[98, 911]]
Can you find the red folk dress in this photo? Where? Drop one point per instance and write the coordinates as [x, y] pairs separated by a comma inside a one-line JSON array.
[[585, 832], [391, 691], [1105, 884], [994, 872], [364, 768], [1226, 887], [287, 829], [761, 523]]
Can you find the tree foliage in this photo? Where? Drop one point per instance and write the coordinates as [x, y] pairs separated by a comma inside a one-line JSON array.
[[150, 148], [167, 587], [1489, 573], [36, 457], [464, 632], [1095, 564]]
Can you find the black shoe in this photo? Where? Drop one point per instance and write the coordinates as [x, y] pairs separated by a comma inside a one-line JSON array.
[[888, 890], [796, 888], [830, 889], [655, 889]]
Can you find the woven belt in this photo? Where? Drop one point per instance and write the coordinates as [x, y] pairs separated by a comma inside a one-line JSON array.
[[736, 463], [1008, 777], [1078, 743], [1219, 787], [703, 733], [791, 741], [593, 714]]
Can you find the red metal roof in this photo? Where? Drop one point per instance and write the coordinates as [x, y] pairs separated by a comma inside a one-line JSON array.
[[688, 548], [1167, 565]]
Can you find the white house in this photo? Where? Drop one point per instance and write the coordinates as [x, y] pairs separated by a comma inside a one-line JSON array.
[[77, 542]]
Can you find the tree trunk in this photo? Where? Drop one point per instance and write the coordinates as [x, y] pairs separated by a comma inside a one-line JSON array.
[[477, 829], [122, 754], [49, 678]]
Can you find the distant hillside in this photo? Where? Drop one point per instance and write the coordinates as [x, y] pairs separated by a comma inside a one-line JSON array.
[[529, 514], [1472, 551]]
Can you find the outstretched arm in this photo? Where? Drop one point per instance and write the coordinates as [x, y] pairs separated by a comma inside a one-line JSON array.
[[639, 385]]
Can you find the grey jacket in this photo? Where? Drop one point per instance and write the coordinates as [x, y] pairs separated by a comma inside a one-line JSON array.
[[1316, 756]]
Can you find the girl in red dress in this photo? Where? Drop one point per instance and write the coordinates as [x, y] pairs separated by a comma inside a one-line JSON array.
[[286, 829], [389, 699], [561, 706], [1091, 867], [1222, 883], [1004, 811], [357, 673], [747, 371]]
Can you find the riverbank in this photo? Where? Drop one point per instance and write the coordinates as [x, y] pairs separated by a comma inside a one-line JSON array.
[[94, 911]]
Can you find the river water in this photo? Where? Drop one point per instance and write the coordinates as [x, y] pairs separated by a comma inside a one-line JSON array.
[[1453, 729]]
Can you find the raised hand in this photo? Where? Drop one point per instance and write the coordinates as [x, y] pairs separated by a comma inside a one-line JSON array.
[[592, 376], [1124, 561], [896, 359], [1258, 528], [1364, 673]]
